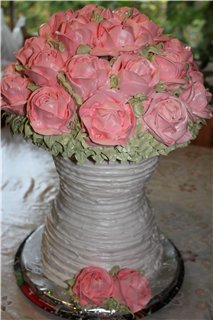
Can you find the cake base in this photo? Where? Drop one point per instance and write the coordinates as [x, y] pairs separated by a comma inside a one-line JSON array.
[[54, 299]]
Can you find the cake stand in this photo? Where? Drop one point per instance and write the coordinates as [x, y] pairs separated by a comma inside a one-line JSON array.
[[55, 300]]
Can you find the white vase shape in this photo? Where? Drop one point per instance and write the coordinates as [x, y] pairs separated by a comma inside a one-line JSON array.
[[101, 217]]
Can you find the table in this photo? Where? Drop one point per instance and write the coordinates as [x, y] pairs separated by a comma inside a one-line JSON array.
[[181, 195]]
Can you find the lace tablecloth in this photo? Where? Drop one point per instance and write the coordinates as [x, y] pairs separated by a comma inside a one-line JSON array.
[[180, 192]]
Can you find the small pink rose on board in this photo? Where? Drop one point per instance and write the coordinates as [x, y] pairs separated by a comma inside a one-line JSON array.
[[108, 118], [92, 286], [167, 117], [132, 289], [50, 110], [14, 92]]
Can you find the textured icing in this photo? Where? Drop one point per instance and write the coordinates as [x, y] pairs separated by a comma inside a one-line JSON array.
[[101, 217]]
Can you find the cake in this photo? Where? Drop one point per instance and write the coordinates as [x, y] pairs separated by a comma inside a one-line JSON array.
[[106, 93]]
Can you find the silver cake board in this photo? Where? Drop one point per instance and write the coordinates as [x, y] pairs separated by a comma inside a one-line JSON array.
[[55, 300]]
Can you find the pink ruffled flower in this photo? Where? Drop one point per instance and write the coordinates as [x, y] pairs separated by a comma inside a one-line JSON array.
[[170, 71], [166, 117], [90, 10], [92, 286], [197, 98], [195, 74], [108, 118], [31, 46], [14, 92], [136, 74], [123, 13], [75, 32], [48, 30], [172, 63], [113, 37], [50, 110], [9, 70], [131, 288], [87, 74], [182, 53], [44, 66], [147, 31]]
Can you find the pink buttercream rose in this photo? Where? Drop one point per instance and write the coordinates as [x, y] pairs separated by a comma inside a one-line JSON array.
[[170, 71], [197, 98], [145, 30], [108, 118], [166, 117], [131, 288], [149, 25], [50, 110], [113, 37], [194, 73], [87, 74], [48, 30], [124, 13], [135, 74], [91, 10], [9, 69], [172, 63], [87, 10], [44, 66], [183, 53], [75, 32], [92, 286], [14, 92], [31, 46]]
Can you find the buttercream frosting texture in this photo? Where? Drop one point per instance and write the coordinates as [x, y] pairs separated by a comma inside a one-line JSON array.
[[101, 217]]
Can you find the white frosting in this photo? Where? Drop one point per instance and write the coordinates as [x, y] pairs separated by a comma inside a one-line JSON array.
[[101, 217]]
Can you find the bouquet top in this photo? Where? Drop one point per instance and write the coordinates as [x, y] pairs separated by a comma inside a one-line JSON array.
[[104, 85]]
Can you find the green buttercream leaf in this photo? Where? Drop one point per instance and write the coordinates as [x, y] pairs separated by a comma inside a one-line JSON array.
[[114, 270], [83, 49], [70, 282], [148, 51], [65, 83], [58, 45], [97, 17], [31, 86], [128, 13], [194, 127], [114, 83], [160, 86], [27, 130], [19, 67], [112, 304], [142, 144]]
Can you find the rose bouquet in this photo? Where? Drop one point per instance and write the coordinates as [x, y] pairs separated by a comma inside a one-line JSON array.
[[104, 85]]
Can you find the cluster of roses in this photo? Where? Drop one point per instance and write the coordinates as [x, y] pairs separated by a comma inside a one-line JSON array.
[[92, 65], [93, 285]]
